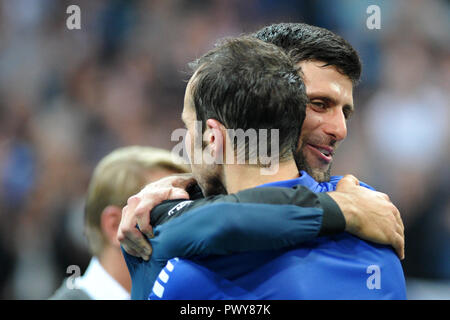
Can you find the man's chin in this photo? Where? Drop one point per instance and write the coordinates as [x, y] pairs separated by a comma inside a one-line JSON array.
[[320, 175]]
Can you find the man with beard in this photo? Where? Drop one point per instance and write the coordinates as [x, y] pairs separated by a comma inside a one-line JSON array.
[[243, 84]]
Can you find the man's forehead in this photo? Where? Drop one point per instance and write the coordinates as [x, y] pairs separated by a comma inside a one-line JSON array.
[[326, 81], [311, 68], [192, 80], [188, 106]]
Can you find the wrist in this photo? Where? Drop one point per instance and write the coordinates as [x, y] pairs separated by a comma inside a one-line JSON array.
[[333, 220], [346, 204]]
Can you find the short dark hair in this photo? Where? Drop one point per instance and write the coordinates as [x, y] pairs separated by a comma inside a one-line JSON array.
[[245, 83], [306, 42]]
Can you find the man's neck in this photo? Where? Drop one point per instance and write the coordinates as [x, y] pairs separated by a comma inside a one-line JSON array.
[[240, 177], [113, 262]]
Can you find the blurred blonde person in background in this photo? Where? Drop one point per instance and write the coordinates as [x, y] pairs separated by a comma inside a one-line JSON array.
[[119, 175]]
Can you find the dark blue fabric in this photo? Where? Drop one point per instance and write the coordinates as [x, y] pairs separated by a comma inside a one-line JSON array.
[[307, 181], [329, 268], [326, 268], [223, 228]]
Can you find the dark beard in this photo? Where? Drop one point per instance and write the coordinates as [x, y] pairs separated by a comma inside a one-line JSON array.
[[316, 174], [212, 185]]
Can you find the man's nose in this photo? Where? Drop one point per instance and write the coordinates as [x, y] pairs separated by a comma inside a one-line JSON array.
[[336, 125]]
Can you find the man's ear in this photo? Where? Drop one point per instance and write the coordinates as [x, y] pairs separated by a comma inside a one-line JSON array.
[[214, 137], [109, 223]]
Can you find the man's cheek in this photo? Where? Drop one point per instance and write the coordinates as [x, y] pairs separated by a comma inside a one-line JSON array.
[[188, 145], [312, 123], [308, 156]]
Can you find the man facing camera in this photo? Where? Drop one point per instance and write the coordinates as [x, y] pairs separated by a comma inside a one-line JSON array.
[[119, 175]]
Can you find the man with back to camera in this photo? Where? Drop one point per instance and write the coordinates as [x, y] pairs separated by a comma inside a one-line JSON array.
[[240, 68], [117, 176]]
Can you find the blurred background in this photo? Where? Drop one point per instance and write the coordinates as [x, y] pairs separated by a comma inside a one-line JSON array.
[[68, 97]]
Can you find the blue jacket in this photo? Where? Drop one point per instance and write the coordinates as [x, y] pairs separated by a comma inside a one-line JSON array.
[[332, 267]]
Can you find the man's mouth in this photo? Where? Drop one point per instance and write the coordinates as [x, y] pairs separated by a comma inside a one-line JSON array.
[[324, 153]]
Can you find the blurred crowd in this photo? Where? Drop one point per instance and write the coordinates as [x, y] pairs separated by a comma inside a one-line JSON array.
[[68, 97]]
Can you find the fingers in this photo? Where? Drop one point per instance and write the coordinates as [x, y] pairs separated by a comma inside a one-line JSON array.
[[137, 212], [397, 235], [384, 196], [143, 221], [128, 235], [131, 251], [398, 242], [400, 234], [150, 198], [129, 248], [398, 238], [351, 178], [372, 216], [183, 180], [142, 215], [178, 193], [399, 219], [134, 243], [346, 182], [395, 212], [400, 229]]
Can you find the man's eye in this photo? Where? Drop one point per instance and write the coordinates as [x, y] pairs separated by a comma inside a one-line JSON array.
[[318, 104]]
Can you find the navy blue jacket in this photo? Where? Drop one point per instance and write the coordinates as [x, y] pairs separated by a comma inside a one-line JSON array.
[[223, 228]]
